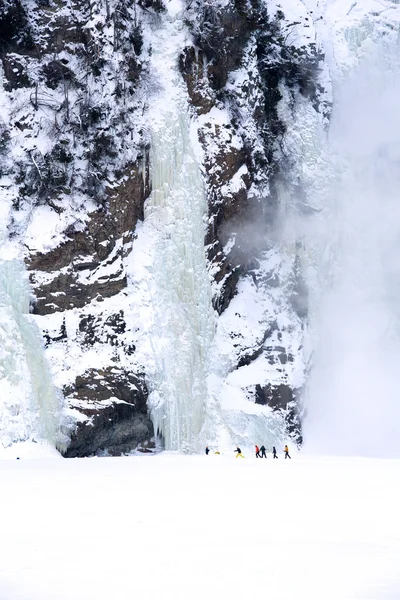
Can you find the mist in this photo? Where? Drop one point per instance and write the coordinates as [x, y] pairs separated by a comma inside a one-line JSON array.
[[352, 399]]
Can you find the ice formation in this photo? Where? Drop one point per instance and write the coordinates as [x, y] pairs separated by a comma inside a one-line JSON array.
[[192, 399], [183, 319], [30, 406]]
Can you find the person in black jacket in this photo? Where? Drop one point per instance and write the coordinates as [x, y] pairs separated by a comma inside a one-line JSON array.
[[207, 450], [263, 454], [274, 455]]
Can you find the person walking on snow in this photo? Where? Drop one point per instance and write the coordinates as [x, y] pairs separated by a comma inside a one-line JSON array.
[[286, 451], [274, 455], [257, 452], [207, 450], [238, 452], [263, 454]]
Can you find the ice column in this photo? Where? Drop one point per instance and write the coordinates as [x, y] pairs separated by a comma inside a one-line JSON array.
[[183, 324], [30, 407]]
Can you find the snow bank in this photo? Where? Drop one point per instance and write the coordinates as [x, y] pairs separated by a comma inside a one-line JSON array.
[[303, 529]]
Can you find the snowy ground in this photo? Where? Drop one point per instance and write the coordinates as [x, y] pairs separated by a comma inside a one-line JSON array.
[[180, 527]]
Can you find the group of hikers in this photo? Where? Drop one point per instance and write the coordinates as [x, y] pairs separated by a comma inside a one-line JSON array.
[[260, 452]]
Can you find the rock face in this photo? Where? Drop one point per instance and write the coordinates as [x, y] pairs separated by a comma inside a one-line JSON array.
[[238, 64], [282, 398], [72, 275], [85, 270], [238, 69], [74, 172], [115, 403]]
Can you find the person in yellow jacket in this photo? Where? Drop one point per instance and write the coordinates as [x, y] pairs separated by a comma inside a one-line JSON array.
[[286, 451], [239, 453]]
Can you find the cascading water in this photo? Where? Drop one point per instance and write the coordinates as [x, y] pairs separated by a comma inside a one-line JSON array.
[[183, 318], [352, 401], [30, 407]]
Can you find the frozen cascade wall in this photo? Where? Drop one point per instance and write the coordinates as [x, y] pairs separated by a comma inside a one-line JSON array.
[[30, 407], [197, 395], [183, 318], [352, 400]]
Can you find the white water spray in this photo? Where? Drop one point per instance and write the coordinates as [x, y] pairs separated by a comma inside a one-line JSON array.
[[183, 318], [352, 398]]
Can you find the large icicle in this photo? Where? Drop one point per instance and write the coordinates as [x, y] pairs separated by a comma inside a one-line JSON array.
[[30, 407], [183, 323]]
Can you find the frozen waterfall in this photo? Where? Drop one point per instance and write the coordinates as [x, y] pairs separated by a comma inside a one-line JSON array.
[[30, 407], [183, 318], [352, 402]]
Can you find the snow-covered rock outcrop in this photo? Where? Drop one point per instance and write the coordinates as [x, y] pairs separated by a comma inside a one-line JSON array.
[[251, 72], [79, 88], [74, 181], [131, 130]]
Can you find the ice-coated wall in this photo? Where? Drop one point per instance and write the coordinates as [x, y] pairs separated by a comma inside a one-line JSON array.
[[30, 407], [183, 318]]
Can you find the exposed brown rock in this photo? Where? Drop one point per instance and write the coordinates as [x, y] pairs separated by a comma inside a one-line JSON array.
[[115, 403], [74, 294], [283, 398], [192, 66], [227, 209], [90, 249], [64, 31], [15, 73], [274, 396]]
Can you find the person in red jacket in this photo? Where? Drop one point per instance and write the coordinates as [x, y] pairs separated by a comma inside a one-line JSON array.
[[257, 452]]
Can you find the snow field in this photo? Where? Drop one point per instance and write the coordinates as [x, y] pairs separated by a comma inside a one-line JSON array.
[[178, 527]]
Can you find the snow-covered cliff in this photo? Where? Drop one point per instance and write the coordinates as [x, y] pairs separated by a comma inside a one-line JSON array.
[[167, 176]]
